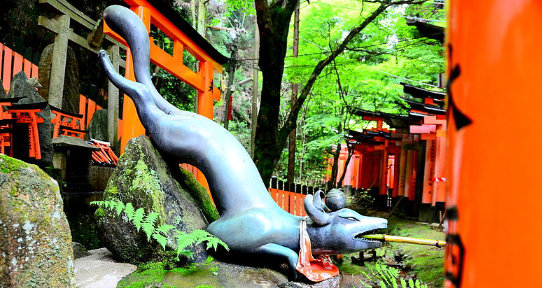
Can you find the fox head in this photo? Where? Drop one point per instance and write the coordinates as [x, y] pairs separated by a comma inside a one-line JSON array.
[[341, 231]]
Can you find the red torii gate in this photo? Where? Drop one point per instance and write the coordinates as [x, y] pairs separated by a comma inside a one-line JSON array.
[[184, 38], [394, 154], [187, 39]]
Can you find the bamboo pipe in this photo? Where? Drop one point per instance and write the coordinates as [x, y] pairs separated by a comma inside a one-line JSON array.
[[408, 240]]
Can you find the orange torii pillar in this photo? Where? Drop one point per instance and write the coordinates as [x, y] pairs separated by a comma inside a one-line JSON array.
[[439, 178], [202, 81], [427, 212], [494, 196], [402, 171]]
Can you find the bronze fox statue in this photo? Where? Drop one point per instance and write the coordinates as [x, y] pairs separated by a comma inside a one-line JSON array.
[[251, 223]]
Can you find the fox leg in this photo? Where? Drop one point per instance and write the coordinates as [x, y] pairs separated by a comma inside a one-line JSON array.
[[282, 253]]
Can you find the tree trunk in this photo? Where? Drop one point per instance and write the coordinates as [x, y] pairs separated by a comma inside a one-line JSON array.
[[231, 75], [334, 168], [295, 87], [273, 23], [254, 111], [350, 153], [202, 18]]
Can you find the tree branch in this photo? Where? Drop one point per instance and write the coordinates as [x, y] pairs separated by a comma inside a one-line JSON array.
[[292, 117]]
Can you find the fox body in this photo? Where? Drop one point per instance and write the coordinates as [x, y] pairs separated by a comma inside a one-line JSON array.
[[251, 222]]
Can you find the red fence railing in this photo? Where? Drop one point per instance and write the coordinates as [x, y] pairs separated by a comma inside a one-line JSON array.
[[12, 63], [290, 196]]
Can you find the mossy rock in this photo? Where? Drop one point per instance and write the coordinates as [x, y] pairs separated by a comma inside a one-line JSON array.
[[35, 239], [144, 179]]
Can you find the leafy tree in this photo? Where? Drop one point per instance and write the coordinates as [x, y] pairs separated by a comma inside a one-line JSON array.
[[273, 22], [369, 70]]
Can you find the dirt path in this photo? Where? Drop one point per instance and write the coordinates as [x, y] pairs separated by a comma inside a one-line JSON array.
[[100, 270]]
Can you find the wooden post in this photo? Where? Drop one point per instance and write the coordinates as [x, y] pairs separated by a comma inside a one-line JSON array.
[[408, 174], [58, 62], [402, 171], [440, 171], [113, 100], [427, 195], [384, 173]]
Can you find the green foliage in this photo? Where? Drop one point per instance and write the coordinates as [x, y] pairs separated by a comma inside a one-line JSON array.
[[152, 274], [386, 53], [162, 234], [389, 277]]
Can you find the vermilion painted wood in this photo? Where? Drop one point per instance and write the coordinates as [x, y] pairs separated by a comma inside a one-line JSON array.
[[30, 117], [413, 175], [440, 171], [427, 195], [91, 108], [27, 67], [494, 181], [421, 129], [34, 72], [6, 70], [83, 109], [17, 64]]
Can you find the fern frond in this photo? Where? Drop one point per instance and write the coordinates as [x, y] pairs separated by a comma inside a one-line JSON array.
[[164, 229], [129, 211], [151, 218], [120, 206], [214, 242], [186, 253], [160, 239], [148, 224], [138, 217], [97, 203], [183, 240], [200, 236]]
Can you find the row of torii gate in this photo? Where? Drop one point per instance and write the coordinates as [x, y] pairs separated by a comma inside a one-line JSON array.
[[403, 162]]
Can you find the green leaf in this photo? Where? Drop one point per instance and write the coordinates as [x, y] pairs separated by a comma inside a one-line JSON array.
[[129, 211], [403, 283], [138, 217], [120, 206], [160, 239], [164, 229], [97, 203]]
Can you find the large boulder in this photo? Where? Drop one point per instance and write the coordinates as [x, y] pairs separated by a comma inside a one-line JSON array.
[[35, 239], [97, 129], [144, 179], [24, 88]]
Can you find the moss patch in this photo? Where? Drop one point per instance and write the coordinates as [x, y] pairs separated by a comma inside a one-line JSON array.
[[200, 194], [155, 274]]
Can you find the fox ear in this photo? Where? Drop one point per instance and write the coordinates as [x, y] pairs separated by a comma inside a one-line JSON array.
[[319, 202], [314, 208]]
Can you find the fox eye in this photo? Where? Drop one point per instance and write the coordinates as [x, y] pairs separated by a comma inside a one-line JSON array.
[[351, 218]]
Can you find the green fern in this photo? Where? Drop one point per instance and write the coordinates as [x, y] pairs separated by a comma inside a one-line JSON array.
[[129, 211], [162, 240], [138, 217], [388, 277], [148, 223], [120, 206]]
